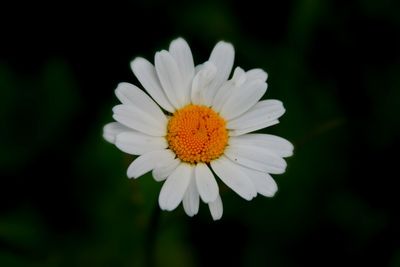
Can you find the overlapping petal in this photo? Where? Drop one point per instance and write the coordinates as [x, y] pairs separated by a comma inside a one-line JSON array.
[[146, 73], [174, 82]]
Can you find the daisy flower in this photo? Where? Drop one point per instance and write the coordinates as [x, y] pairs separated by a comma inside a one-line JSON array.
[[194, 124]]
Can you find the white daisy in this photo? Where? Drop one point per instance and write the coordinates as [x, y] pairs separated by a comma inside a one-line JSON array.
[[196, 123]]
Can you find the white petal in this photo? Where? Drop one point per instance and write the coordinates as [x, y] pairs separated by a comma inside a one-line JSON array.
[[147, 76], [191, 199], [161, 172], [216, 208], [137, 119], [243, 98], [264, 183], [129, 94], [201, 81], [222, 95], [273, 143], [222, 56], [206, 184], [233, 177], [256, 158], [199, 67], [261, 113], [112, 129], [137, 143], [170, 78], [227, 88], [147, 162], [175, 187], [256, 74], [180, 51], [239, 76], [253, 128]]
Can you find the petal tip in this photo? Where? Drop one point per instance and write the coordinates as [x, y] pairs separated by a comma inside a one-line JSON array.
[[136, 62]]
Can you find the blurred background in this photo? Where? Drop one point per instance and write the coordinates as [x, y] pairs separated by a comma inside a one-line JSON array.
[[65, 199]]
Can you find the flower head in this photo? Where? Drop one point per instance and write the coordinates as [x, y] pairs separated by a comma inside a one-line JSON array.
[[195, 122]]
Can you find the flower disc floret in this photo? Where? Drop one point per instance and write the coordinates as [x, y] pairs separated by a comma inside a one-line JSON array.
[[197, 134]]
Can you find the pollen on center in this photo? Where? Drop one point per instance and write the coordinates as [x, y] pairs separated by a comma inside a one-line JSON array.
[[197, 134]]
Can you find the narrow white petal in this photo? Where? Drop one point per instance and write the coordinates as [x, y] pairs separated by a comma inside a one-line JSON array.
[[243, 98], [112, 129], [255, 127], [137, 143], [256, 158], [227, 88], [264, 183], [222, 56], [180, 51], [206, 184], [170, 78], [147, 76], [191, 198], [199, 67], [233, 177], [273, 143], [261, 113], [129, 94], [175, 187], [201, 81], [147, 162], [162, 171], [222, 95], [216, 208], [256, 74], [137, 119], [239, 76]]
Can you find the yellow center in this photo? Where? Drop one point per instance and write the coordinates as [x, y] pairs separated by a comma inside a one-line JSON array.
[[197, 134]]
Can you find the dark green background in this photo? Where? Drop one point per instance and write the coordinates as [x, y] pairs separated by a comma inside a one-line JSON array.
[[64, 196]]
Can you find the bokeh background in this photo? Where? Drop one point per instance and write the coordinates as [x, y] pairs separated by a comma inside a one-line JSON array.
[[65, 199]]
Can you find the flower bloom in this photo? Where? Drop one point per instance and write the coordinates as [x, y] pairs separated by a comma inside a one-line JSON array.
[[196, 123]]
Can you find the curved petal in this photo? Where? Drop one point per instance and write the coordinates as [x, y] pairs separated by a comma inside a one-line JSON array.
[[216, 208], [162, 171], [191, 199], [233, 177], [130, 95], [112, 129], [239, 76], [261, 113], [227, 88], [147, 162], [257, 74], [137, 119], [257, 159], [137, 143], [201, 81], [264, 183], [222, 56], [223, 93], [147, 76], [275, 144], [180, 51], [174, 187], [206, 184], [170, 78], [255, 127], [243, 98]]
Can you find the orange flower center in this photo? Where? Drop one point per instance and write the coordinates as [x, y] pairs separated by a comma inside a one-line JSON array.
[[197, 134]]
